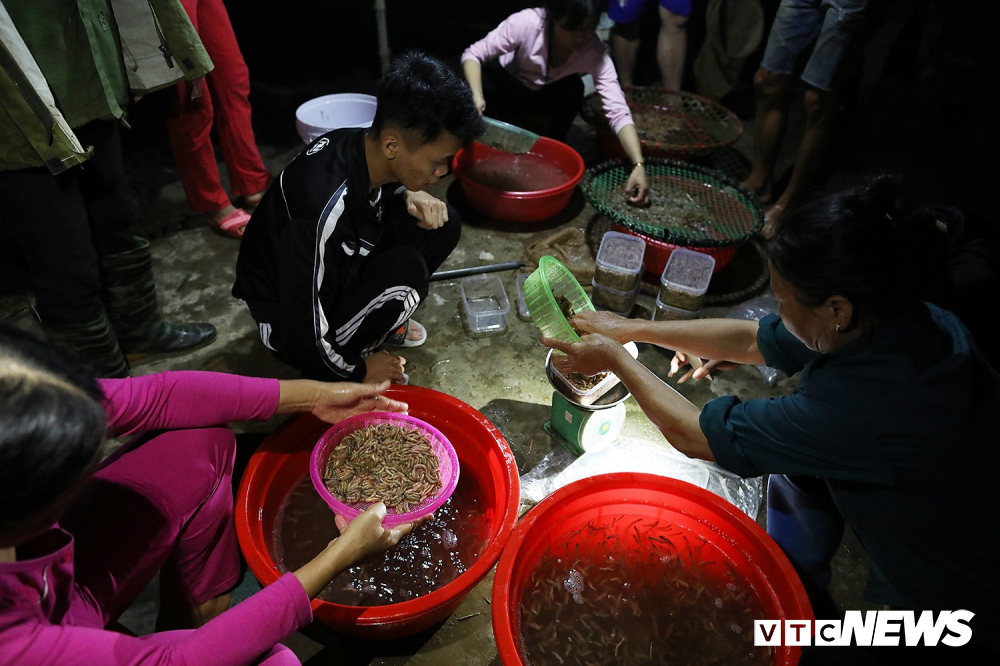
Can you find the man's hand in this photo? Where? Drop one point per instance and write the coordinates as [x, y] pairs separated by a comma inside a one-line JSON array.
[[431, 212], [383, 366], [698, 369]]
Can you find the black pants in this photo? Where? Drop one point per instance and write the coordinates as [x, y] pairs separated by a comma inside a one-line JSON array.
[[60, 225], [373, 304], [549, 111]]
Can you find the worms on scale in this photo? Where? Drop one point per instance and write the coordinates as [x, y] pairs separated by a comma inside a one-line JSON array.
[[383, 462]]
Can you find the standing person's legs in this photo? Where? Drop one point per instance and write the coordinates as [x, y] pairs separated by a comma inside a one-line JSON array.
[[47, 218], [161, 503], [671, 44], [189, 124], [229, 83], [625, 37], [795, 26], [823, 75]]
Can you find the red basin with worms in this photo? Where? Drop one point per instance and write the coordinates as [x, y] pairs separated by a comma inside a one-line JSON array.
[[626, 523], [282, 462]]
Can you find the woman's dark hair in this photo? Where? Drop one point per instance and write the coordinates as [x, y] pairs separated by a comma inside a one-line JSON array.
[[869, 244], [52, 424], [422, 94], [572, 14]]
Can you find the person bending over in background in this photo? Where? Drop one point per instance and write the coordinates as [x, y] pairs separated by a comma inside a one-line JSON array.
[[80, 537], [527, 72], [338, 255], [671, 43]]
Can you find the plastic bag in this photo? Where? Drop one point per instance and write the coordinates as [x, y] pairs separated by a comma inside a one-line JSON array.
[[559, 468], [756, 309], [568, 246]]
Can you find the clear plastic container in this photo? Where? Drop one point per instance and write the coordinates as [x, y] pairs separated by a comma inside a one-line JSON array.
[[619, 302], [522, 305], [485, 303], [585, 396], [664, 312], [619, 261], [685, 279]]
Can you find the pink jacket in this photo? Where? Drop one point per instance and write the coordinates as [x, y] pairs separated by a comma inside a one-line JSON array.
[[42, 618], [521, 44]]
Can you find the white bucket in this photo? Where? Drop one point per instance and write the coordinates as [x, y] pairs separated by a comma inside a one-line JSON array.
[[329, 112]]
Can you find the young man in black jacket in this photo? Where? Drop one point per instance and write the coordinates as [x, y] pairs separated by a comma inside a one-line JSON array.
[[338, 255]]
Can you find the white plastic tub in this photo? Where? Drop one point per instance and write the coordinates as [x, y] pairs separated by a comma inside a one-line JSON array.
[[329, 112]]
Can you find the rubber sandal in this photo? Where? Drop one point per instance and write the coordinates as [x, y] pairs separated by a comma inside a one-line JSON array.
[[234, 223], [398, 337]]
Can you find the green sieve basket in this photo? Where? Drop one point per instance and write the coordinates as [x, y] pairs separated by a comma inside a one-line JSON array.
[[544, 289], [692, 206]]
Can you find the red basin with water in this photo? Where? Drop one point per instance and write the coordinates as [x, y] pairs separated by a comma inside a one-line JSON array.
[[699, 514], [519, 188], [282, 460]]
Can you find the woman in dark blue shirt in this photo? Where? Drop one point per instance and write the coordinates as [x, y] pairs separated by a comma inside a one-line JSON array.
[[895, 410]]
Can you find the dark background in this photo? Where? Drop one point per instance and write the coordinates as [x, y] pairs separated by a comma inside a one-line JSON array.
[[921, 101]]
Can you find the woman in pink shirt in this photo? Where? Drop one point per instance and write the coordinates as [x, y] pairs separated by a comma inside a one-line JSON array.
[[81, 537], [527, 71]]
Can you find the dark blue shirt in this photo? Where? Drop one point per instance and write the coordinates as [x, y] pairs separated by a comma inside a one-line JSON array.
[[903, 426]]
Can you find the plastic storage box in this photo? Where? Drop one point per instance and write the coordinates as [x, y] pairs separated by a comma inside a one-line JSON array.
[[485, 303], [619, 302], [664, 312], [586, 397], [619, 262], [522, 304], [685, 279]]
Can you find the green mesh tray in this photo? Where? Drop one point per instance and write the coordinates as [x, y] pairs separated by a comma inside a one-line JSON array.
[[671, 122], [550, 284], [691, 205]]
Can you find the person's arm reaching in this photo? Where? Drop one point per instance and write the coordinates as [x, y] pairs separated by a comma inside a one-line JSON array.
[[669, 411], [189, 399], [473, 71], [732, 340]]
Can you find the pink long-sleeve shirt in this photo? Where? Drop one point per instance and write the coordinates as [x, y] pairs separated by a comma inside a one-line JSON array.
[[522, 45], [39, 596]]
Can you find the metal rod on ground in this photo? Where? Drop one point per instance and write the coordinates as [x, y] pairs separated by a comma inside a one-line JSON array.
[[475, 270]]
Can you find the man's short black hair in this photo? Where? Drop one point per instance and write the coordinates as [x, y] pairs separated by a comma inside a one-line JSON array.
[[420, 93]]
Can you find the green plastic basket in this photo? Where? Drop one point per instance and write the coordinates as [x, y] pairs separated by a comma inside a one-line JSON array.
[[544, 289], [692, 206]]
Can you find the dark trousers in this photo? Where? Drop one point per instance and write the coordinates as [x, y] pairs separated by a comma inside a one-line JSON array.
[[60, 224], [549, 111], [376, 301]]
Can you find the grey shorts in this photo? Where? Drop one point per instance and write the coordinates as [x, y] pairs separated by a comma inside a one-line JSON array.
[[830, 23]]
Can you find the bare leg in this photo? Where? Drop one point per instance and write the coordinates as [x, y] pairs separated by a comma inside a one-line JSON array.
[[671, 48], [772, 118], [821, 114], [624, 49]]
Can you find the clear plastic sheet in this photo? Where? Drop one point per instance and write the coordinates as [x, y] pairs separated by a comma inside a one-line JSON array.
[[756, 309], [560, 468]]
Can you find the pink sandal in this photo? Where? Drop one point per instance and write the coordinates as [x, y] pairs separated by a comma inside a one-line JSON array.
[[234, 223]]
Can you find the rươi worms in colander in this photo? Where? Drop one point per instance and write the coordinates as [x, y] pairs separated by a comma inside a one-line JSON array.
[[383, 462]]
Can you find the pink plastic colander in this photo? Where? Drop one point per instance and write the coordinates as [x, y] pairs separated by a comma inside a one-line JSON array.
[[445, 452]]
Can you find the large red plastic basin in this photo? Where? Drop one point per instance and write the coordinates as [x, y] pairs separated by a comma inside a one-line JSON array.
[[519, 206], [283, 459], [703, 514]]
